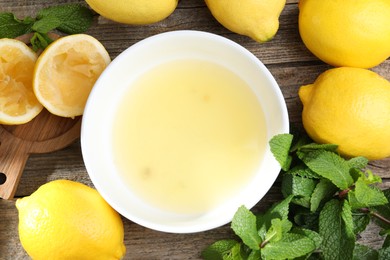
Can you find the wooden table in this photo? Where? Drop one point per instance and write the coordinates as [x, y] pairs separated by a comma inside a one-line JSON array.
[[285, 56]]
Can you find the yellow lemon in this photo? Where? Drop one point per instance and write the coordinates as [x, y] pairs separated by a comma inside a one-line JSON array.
[[68, 220], [258, 19], [350, 33], [66, 71], [134, 11], [349, 107], [18, 103]]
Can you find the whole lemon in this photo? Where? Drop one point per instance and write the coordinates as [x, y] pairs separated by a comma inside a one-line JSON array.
[[350, 33], [69, 220], [135, 12], [258, 19], [349, 107]]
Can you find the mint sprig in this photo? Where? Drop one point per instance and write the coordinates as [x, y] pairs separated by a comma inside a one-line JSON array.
[[336, 230], [12, 27], [328, 201], [68, 18]]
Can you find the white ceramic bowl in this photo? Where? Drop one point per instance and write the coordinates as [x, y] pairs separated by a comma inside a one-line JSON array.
[[96, 129]]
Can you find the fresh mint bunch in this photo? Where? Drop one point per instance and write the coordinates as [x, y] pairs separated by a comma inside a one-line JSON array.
[[328, 201], [69, 18]]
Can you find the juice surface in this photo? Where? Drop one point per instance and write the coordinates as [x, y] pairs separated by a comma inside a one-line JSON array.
[[187, 135]]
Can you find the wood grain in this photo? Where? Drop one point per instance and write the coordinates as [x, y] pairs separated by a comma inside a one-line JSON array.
[[285, 56], [44, 134]]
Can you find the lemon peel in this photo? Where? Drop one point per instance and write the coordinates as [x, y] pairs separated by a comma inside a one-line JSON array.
[[66, 71], [349, 107], [350, 33], [68, 220], [257, 19], [135, 12], [18, 104]]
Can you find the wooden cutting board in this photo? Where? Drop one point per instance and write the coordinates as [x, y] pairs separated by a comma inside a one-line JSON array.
[[45, 133]]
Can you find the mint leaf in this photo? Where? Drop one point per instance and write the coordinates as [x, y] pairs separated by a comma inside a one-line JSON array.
[[306, 219], [73, 18], [220, 250], [329, 165], [384, 211], [384, 253], [277, 230], [324, 190], [254, 255], [358, 162], [302, 189], [303, 171], [279, 210], [362, 252], [360, 220], [346, 215], [368, 177], [11, 27], [315, 146], [235, 253], [303, 139], [40, 41], [280, 147], [69, 18], [353, 201], [386, 243], [46, 24], [244, 225], [369, 196], [317, 239], [291, 246], [336, 229]]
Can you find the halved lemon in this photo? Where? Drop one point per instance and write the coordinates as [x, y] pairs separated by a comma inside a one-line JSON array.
[[18, 104], [66, 72]]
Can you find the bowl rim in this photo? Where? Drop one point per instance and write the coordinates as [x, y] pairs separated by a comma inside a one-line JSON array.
[[186, 227]]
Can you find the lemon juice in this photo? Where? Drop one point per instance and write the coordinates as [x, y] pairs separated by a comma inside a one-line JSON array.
[[187, 135]]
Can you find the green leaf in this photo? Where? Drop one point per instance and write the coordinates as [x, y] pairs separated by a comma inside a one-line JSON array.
[[291, 246], [46, 24], [315, 146], [369, 196], [362, 252], [301, 187], [384, 211], [384, 253], [11, 27], [336, 229], [317, 239], [74, 18], [245, 226], [40, 41], [235, 253], [306, 219], [360, 220], [329, 165], [346, 215], [367, 176], [324, 190], [353, 201], [278, 210], [277, 230], [219, 250], [302, 139], [254, 255], [303, 171], [280, 147], [386, 243], [358, 162]]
